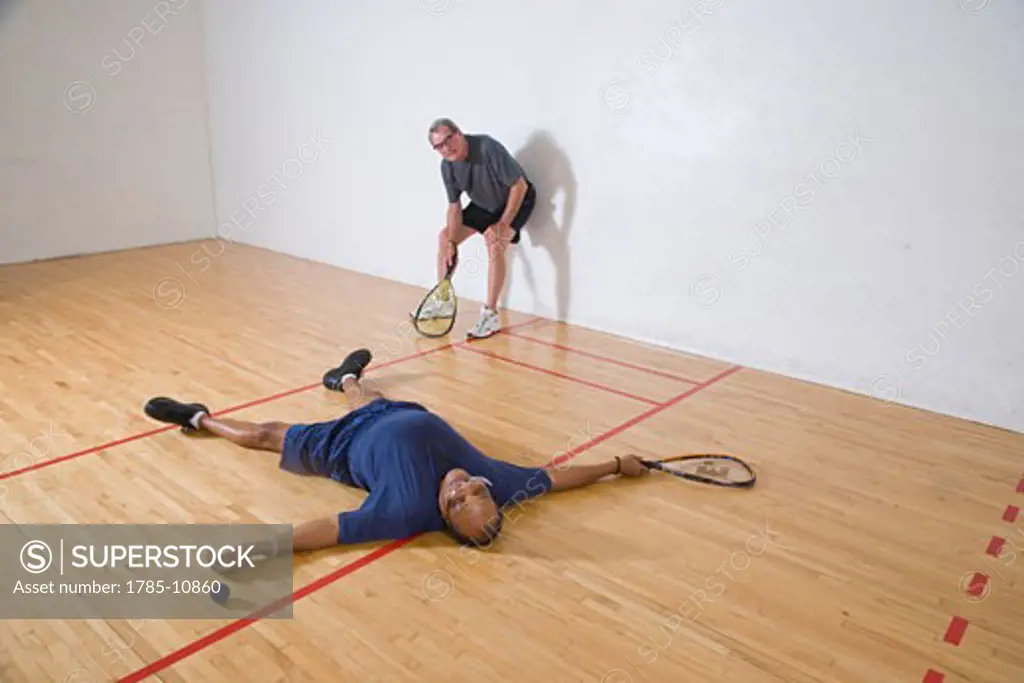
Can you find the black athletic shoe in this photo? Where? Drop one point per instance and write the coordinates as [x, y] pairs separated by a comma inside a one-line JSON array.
[[354, 364], [165, 409]]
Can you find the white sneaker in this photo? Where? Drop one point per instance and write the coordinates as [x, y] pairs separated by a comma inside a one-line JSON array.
[[486, 325], [433, 309]]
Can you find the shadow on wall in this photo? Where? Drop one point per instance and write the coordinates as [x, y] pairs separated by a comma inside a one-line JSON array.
[[548, 168]]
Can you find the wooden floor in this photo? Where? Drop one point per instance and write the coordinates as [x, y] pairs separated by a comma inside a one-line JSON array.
[[853, 560]]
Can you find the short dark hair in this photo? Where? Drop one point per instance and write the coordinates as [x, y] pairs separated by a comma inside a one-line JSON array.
[[490, 532]]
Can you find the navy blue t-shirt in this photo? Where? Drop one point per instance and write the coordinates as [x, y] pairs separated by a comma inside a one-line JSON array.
[[401, 459]]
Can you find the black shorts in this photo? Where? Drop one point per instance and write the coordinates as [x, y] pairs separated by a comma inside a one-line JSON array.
[[479, 218]]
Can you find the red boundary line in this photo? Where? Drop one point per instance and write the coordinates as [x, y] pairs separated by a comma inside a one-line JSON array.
[[995, 546], [958, 625], [235, 626], [578, 380], [249, 404], [955, 631], [606, 359], [643, 416], [77, 454], [976, 587]]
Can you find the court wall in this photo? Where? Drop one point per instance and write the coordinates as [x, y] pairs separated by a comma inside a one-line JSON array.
[[826, 190], [103, 127]]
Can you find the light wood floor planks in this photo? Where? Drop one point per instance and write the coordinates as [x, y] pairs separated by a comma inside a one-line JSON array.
[[850, 562]]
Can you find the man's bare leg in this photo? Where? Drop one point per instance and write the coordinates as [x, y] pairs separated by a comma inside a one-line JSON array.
[[497, 245], [264, 436], [462, 233], [357, 393]]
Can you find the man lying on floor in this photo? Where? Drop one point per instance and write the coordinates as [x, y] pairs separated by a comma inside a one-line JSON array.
[[421, 475]]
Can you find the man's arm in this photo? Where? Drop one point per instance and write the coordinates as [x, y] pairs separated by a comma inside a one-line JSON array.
[[316, 534], [454, 194], [515, 200], [311, 535], [585, 475], [510, 173], [580, 475], [453, 220], [359, 526]]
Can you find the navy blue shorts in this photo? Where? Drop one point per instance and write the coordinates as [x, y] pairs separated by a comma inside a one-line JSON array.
[[322, 448]]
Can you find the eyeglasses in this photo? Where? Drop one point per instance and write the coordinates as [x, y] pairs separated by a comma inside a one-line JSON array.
[[444, 142]]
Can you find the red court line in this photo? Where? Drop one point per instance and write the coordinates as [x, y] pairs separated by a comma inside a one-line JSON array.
[[87, 451], [606, 359], [241, 406], [158, 430], [235, 626], [955, 632], [585, 382], [977, 585], [995, 546], [653, 411]]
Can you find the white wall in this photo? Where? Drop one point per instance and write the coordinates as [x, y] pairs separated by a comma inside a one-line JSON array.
[[657, 175], [103, 127]]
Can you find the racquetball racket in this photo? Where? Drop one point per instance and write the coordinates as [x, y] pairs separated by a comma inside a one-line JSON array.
[[435, 316], [707, 468]]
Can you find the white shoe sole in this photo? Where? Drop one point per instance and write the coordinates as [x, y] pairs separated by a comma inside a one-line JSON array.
[[472, 334]]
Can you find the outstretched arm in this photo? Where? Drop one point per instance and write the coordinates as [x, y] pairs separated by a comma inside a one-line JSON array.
[[315, 534], [312, 535], [353, 526], [585, 475]]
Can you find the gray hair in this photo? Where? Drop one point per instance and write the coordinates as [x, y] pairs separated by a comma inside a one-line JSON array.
[[443, 122]]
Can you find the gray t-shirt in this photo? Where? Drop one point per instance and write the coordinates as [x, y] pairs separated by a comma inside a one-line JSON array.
[[486, 175]]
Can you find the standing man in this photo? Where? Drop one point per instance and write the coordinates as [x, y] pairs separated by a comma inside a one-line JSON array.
[[501, 200]]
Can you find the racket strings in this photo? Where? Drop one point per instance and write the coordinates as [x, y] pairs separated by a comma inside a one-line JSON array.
[[712, 469], [441, 294], [436, 314]]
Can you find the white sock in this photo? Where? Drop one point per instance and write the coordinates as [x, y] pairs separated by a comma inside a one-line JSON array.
[[195, 419], [345, 377]]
